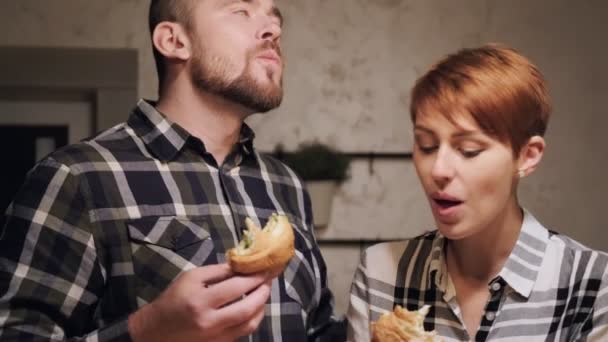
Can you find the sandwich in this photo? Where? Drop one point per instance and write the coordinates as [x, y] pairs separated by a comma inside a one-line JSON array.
[[402, 325], [263, 249]]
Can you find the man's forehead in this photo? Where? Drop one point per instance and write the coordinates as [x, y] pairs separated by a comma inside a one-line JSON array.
[[269, 4], [266, 3]]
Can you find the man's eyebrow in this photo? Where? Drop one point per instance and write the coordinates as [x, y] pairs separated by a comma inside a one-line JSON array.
[[275, 11]]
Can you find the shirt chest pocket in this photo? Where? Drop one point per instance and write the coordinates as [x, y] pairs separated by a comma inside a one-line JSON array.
[[163, 247]]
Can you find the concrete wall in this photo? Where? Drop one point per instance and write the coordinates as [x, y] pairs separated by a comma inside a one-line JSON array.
[[351, 64]]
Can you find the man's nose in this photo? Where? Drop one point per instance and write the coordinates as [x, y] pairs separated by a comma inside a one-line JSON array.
[[270, 30]]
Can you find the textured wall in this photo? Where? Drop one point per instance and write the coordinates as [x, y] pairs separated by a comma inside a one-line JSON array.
[[351, 64]]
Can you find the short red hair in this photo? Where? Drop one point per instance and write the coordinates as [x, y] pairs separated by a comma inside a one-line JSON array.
[[501, 89]]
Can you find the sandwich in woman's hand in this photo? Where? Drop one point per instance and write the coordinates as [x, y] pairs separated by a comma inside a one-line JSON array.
[[264, 249], [402, 325]]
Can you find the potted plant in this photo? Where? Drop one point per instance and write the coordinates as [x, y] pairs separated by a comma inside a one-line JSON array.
[[323, 169]]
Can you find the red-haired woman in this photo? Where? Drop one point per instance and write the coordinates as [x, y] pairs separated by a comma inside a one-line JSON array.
[[490, 271]]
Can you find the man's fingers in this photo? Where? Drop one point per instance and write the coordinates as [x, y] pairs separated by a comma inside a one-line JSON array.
[[233, 288], [252, 308], [249, 327], [244, 310], [212, 274]]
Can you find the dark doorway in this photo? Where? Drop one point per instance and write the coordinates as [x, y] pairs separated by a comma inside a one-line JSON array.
[[18, 148]]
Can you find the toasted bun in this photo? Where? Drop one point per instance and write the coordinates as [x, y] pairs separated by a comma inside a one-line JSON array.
[[268, 249], [402, 325]]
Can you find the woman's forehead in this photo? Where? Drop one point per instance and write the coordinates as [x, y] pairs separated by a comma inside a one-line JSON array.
[[456, 121]]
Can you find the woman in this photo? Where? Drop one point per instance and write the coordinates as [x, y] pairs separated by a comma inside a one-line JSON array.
[[490, 271]]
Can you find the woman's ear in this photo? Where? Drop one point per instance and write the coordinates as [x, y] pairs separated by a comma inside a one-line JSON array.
[[530, 155], [172, 41]]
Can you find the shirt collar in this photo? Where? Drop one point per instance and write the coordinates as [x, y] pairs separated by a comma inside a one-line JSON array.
[[523, 265], [438, 270], [165, 139], [521, 268]]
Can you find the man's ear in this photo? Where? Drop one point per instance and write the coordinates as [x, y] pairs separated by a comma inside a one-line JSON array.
[[172, 41], [530, 155]]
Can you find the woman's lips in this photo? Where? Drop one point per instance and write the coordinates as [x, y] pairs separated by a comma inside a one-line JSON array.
[[446, 208]]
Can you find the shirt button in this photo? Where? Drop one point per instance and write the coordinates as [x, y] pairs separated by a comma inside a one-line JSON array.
[[496, 286], [490, 316], [174, 241]]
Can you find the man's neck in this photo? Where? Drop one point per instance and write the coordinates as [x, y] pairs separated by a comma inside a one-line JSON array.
[[214, 120]]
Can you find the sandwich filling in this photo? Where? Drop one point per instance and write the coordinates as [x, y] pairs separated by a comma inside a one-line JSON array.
[[255, 239]]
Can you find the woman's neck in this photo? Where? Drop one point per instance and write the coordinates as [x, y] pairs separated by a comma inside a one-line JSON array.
[[479, 258]]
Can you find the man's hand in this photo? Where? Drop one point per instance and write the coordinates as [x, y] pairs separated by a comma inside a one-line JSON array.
[[204, 304]]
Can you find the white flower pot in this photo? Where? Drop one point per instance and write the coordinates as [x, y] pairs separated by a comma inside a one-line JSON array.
[[321, 195]]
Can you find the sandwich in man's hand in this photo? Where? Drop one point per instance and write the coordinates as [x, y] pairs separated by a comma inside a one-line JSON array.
[[267, 249]]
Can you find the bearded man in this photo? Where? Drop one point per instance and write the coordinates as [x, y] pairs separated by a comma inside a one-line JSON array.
[[124, 236]]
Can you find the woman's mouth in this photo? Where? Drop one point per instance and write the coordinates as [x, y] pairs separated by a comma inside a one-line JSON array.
[[446, 204], [446, 208]]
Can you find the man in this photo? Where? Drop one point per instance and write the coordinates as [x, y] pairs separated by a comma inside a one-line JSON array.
[[123, 236]]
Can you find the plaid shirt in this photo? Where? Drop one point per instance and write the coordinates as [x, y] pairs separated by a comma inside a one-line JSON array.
[[550, 289], [102, 227]]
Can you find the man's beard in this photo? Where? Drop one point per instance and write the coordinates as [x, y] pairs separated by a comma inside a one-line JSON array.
[[211, 76]]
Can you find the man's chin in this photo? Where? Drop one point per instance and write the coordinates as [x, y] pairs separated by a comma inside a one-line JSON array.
[[258, 95], [268, 83], [262, 101], [268, 98], [264, 107]]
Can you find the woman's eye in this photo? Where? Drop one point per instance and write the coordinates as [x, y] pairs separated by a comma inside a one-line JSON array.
[[470, 153], [427, 149], [242, 12]]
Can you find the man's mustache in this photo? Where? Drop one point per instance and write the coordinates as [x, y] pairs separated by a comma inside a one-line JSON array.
[[267, 45]]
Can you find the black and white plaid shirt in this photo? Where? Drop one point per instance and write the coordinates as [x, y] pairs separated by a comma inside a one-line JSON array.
[[550, 289], [102, 227]]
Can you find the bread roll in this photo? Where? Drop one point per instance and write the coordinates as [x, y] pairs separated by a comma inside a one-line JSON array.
[[266, 249], [402, 325]]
